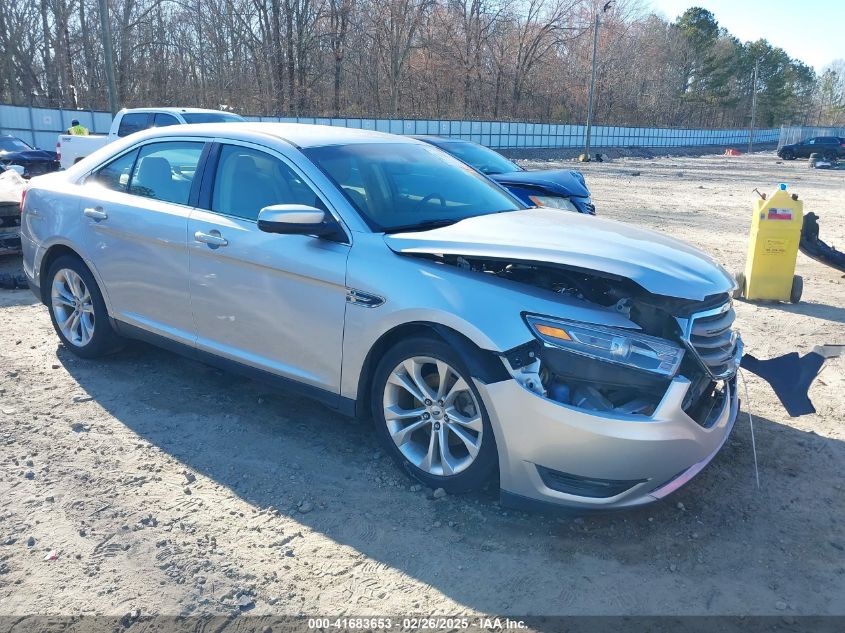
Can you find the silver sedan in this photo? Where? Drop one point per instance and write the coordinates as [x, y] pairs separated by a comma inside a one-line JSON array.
[[581, 361]]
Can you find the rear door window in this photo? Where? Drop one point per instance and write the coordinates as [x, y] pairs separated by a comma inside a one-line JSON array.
[[133, 122], [115, 175], [165, 171]]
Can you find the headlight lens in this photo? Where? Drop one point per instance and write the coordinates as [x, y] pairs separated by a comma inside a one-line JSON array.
[[555, 202], [640, 351]]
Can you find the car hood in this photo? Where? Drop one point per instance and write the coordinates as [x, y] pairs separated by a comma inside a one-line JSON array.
[[659, 264], [557, 181], [30, 155]]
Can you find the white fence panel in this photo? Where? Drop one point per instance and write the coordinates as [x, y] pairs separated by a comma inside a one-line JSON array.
[[41, 125]]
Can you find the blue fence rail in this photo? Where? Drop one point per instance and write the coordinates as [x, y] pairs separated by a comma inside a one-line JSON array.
[[40, 126]]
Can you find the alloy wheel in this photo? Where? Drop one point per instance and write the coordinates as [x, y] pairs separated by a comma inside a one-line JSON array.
[[73, 307], [433, 416]]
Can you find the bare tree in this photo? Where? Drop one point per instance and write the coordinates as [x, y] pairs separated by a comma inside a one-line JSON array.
[[500, 59]]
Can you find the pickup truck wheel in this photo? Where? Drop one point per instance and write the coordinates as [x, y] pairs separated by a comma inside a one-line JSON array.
[[787, 154], [430, 417], [77, 309]]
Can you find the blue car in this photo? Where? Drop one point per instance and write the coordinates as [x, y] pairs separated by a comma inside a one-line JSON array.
[[559, 188]]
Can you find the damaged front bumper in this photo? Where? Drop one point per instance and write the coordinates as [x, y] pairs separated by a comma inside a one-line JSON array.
[[564, 455], [10, 228]]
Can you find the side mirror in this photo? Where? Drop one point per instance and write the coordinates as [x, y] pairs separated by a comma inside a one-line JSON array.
[[297, 219]]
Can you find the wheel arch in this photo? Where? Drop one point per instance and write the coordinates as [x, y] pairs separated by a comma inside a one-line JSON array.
[[51, 255], [482, 364]]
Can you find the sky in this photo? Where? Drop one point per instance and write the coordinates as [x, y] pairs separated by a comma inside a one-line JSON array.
[[812, 31]]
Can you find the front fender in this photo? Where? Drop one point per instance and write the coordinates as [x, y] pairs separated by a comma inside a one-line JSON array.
[[485, 309]]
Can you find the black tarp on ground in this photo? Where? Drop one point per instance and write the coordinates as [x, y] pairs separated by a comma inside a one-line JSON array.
[[791, 375]]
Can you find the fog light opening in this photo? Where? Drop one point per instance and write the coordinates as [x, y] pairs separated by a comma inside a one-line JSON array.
[[601, 398]]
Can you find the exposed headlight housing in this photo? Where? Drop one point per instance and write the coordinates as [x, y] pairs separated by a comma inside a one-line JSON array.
[[631, 349], [554, 202]]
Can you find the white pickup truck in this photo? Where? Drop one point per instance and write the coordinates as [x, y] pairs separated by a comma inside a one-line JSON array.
[[71, 149]]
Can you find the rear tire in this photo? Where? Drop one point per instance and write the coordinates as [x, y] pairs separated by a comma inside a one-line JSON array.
[[77, 309], [430, 418]]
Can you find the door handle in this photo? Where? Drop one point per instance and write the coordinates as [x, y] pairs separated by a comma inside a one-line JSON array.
[[213, 239], [95, 213]]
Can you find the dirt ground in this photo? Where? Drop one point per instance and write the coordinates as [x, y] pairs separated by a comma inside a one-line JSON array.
[[169, 487]]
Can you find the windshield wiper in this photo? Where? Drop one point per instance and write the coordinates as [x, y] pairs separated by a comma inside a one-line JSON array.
[[422, 226]]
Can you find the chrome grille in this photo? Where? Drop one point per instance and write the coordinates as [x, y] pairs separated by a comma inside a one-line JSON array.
[[709, 335]]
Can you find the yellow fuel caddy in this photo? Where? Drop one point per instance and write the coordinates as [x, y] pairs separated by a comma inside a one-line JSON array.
[[772, 250]]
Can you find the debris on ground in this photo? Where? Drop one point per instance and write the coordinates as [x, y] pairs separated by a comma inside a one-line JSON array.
[[815, 248], [817, 161]]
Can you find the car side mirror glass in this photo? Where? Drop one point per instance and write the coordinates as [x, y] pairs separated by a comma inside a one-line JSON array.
[[297, 219]]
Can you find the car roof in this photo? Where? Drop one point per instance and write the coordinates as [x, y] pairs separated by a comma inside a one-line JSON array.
[[173, 110], [302, 135]]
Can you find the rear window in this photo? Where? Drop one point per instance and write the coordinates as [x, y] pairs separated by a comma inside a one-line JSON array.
[[133, 122], [163, 120], [12, 144], [482, 158], [211, 117]]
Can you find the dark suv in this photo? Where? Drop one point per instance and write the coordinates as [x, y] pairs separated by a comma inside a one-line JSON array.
[[829, 147]]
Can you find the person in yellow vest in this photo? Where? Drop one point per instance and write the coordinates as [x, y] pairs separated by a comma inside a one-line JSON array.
[[76, 129]]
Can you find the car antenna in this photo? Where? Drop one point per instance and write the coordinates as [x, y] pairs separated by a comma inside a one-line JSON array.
[[759, 193]]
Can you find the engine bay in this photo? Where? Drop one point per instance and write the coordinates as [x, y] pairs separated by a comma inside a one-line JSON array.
[[593, 385]]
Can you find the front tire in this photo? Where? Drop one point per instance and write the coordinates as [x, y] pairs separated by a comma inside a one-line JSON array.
[[77, 309], [788, 154], [430, 417]]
